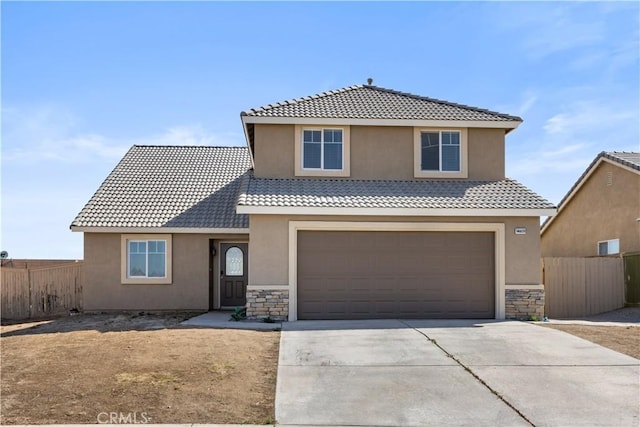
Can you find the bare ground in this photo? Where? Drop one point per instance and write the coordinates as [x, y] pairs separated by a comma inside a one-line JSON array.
[[624, 338], [76, 369]]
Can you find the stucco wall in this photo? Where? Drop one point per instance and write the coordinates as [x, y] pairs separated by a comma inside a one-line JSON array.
[[486, 154], [190, 285], [269, 247], [381, 152], [377, 152], [273, 151], [597, 212]]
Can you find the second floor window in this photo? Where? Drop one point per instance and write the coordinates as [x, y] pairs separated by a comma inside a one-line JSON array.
[[322, 149], [440, 151]]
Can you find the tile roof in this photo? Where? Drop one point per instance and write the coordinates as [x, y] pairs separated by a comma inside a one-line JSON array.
[[630, 159], [170, 186], [372, 102], [425, 194], [625, 158]]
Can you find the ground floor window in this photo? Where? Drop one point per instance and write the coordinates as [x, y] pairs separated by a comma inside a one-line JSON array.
[[609, 247], [146, 258]]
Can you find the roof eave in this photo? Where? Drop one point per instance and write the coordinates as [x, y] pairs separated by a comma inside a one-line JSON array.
[[159, 230], [452, 212], [243, 117], [509, 125]]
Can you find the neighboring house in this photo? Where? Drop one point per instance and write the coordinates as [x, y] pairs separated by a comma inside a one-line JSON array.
[[600, 215], [361, 202]]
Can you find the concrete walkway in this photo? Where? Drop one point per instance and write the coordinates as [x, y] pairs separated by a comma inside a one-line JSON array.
[[415, 373], [222, 320]]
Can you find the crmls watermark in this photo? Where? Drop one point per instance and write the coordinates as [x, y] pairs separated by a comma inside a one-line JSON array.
[[123, 418]]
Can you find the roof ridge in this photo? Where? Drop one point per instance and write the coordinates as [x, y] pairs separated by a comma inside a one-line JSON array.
[[268, 109], [187, 146], [300, 99], [443, 102], [616, 157]]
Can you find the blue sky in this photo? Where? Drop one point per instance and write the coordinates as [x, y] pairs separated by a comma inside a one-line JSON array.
[[83, 81]]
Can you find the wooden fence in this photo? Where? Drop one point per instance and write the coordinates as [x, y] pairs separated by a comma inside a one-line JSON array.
[[40, 292], [578, 287]]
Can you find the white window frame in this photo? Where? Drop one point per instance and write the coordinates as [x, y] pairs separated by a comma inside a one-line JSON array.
[[124, 259], [609, 242], [300, 170], [417, 154]]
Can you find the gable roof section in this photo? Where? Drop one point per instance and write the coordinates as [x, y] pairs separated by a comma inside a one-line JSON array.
[[170, 187], [629, 159], [369, 197], [623, 159], [372, 102]]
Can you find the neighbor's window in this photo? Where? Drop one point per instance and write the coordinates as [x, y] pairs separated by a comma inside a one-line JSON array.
[[440, 151], [147, 258], [609, 247], [322, 149]]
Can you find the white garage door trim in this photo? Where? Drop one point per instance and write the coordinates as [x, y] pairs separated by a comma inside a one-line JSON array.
[[497, 228]]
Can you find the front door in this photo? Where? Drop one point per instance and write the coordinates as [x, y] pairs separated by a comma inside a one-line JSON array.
[[233, 274]]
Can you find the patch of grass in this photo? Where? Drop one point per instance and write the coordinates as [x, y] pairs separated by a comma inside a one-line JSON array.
[[153, 378], [221, 369]]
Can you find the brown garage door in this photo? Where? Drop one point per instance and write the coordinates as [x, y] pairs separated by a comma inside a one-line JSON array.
[[378, 274]]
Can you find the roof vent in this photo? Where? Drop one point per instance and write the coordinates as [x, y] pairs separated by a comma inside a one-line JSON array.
[[369, 81]]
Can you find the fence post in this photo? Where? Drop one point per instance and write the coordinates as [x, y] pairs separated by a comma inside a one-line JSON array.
[[29, 283]]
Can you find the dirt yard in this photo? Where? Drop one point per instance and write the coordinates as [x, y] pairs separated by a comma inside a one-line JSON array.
[[139, 369], [623, 339]]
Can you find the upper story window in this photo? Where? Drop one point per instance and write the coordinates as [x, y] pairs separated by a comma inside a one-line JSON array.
[[609, 247], [440, 153], [322, 149]]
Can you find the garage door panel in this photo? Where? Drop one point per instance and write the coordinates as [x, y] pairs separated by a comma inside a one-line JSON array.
[[344, 275]]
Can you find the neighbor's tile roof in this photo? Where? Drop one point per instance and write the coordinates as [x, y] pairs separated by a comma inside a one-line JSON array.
[[170, 186], [424, 194], [372, 102], [625, 158], [630, 159]]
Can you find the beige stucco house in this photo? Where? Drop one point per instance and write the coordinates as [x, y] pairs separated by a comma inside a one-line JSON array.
[[600, 215], [361, 202]]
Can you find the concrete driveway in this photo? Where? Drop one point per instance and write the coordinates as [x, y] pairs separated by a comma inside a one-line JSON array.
[[417, 373]]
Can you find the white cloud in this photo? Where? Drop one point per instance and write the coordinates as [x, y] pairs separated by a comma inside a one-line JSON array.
[[529, 101], [548, 28], [571, 138], [582, 29], [52, 134], [586, 117]]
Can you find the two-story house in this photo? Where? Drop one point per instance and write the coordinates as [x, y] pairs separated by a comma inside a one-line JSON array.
[[357, 203]]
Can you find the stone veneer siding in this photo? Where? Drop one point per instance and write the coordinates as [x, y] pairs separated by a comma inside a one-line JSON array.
[[521, 304], [265, 303]]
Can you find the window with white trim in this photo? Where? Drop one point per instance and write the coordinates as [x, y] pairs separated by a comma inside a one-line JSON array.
[[145, 259], [609, 247], [440, 151], [322, 149]]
